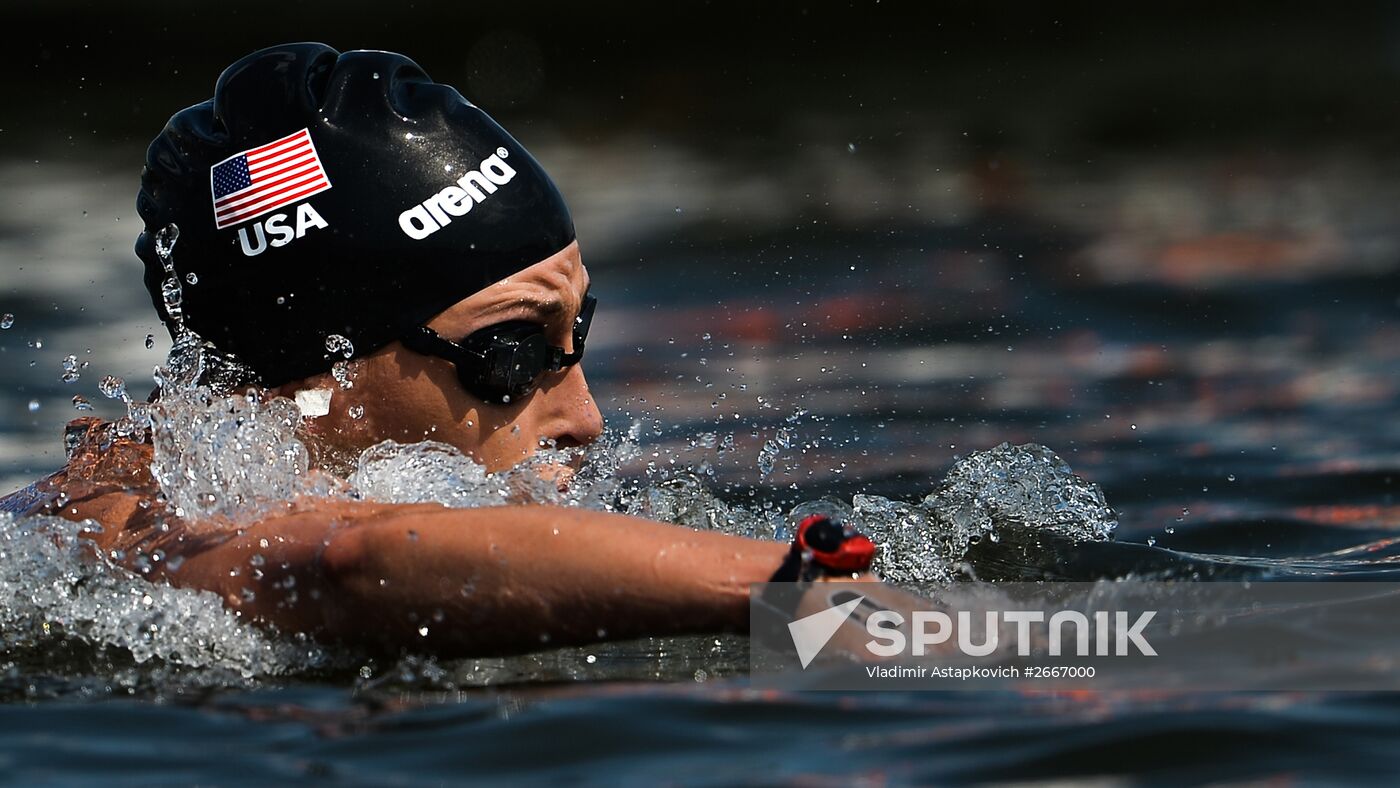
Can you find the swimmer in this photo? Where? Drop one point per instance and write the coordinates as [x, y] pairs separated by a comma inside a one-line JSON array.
[[323, 195]]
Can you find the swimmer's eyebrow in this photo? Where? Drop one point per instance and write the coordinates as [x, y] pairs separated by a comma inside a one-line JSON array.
[[533, 312], [535, 308]]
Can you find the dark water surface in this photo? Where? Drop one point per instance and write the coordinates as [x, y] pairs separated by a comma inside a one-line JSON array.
[[1214, 341]]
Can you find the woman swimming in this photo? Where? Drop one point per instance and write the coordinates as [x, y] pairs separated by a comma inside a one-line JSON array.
[[328, 200]]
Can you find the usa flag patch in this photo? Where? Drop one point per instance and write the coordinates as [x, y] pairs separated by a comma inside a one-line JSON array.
[[265, 178]]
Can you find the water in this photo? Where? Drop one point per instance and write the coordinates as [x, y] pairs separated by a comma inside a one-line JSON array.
[[1231, 401]]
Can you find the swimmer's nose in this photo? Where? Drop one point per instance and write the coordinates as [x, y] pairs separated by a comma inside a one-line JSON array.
[[580, 420]]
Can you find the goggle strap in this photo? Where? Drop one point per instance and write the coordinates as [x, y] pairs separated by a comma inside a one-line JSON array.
[[429, 342]]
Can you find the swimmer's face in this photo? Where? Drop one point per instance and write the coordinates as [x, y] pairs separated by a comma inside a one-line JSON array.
[[409, 397]]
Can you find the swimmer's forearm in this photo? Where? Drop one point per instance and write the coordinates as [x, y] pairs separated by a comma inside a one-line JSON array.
[[482, 581], [520, 578]]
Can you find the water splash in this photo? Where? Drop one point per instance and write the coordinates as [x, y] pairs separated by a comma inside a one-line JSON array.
[[55, 588], [1007, 492], [224, 460], [686, 500], [1004, 492], [1027, 487], [226, 454], [429, 471]]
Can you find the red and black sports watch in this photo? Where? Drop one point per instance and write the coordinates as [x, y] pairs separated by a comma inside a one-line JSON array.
[[824, 547]]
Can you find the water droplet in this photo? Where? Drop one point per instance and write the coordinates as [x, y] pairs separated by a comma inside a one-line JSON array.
[[375, 75], [150, 341], [357, 411], [850, 147], [344, 374], [1230, 478], [70, 369], [335, 343], [590, 659], [112, 387], [80, 403], [173, 297], [165, 243], [192, 278], [34, 405], [7, 320], [423, 631]]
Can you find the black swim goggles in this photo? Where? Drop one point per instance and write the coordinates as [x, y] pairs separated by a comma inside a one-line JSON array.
[[504, 363]]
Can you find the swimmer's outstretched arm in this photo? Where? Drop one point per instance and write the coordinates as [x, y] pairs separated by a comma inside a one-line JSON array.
[[480, 581]]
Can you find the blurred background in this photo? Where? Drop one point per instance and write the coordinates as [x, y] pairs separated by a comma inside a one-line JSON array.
[[836, 246], [870, 236]]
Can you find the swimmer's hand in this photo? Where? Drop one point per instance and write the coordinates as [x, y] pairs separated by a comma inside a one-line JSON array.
[[851, 638]]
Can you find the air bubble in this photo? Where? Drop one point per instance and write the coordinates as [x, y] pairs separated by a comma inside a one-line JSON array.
[[7, 320]]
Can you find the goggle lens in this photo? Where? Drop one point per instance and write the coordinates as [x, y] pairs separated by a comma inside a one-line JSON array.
[[504, 363]]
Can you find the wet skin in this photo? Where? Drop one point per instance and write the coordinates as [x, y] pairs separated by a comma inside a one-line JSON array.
[[425, 578], [410, 397]]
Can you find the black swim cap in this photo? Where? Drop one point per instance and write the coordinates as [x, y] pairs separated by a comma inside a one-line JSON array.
[[323, 193]]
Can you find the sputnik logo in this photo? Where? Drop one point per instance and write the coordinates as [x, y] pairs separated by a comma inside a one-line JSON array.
[[811, 633]]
